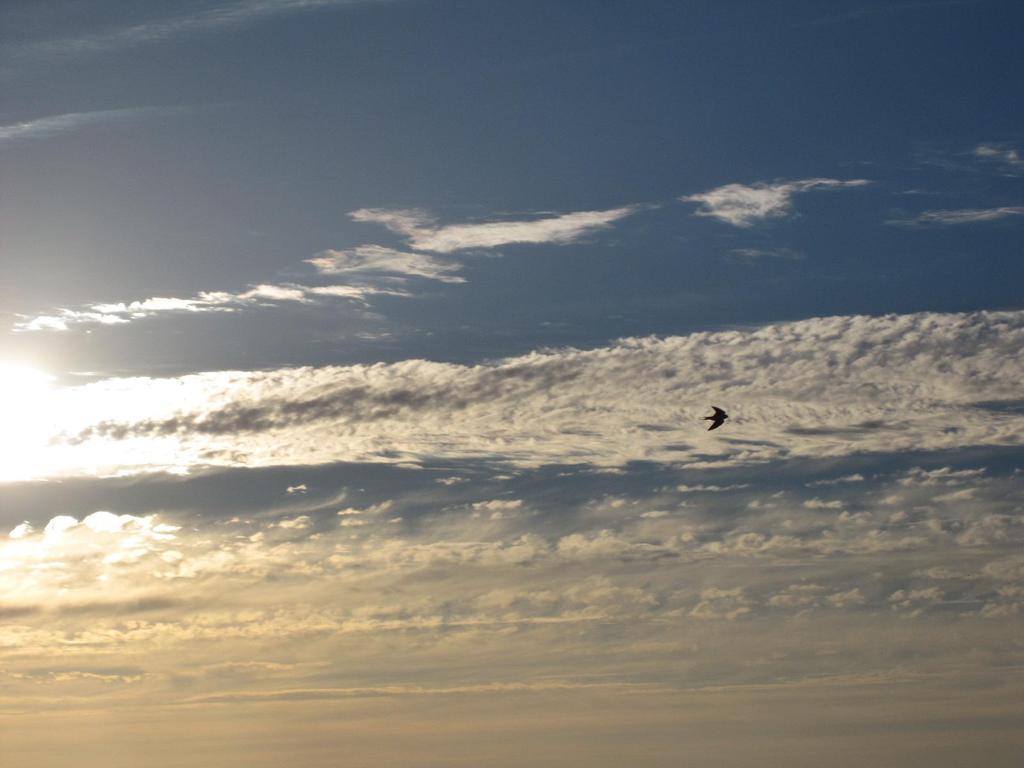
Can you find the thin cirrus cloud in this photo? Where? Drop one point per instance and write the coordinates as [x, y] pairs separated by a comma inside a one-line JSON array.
[[1007, 158], [213, 17], [378, 260], [566, 406], [952, 217], [743, 205], [754, 254], [45, 127], [420, 230], [119, 313]]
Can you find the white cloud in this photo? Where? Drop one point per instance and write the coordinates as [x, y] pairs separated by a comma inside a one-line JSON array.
[[21, 530], [820, 504], [275, 293], [403, 221], [422, 233], [376, 259], [951, 217], [744, 205], [59, 525]]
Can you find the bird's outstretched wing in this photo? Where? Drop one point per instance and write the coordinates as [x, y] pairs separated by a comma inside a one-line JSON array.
[[718, 419]]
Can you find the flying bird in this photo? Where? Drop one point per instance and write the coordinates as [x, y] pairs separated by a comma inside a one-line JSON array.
[[718, 419]]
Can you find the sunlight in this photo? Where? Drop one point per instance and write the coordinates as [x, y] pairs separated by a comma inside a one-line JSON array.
[[27, 418]]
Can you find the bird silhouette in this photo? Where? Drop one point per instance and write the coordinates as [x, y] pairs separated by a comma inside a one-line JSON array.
[[718, 419]]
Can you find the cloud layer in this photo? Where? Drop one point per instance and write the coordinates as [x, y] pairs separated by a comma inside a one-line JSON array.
[[815, 388], [681, 597]]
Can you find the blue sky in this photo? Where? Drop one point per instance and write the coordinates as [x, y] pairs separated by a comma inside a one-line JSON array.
[[189, 152], [346, 297]]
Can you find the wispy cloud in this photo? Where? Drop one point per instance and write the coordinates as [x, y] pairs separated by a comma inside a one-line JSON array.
[[744, 205], [754, 254], [119, 313], [1007, 158], [215, 16], [45, 127], [950, 217], [376, 259], [893, 8], [422, 233]]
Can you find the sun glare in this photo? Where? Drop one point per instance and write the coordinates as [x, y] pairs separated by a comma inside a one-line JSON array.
[[25, 398]]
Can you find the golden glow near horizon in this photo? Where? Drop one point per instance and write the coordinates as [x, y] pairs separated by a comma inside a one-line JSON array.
[[291, 588]]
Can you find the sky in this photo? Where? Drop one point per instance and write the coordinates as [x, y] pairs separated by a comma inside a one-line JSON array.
[[354, 356]]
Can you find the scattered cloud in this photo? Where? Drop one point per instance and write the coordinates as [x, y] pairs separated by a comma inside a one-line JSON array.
[[419, 228], [377, 267], [376, 259], [944, 218], [744, 205]]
